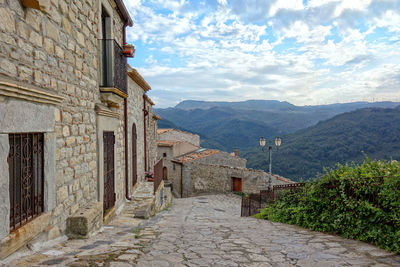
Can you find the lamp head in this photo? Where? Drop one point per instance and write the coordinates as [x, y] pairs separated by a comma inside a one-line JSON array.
[[262, 142], [278, 141]]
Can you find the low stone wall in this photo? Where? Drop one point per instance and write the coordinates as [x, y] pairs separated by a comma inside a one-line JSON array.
[[162, 198]]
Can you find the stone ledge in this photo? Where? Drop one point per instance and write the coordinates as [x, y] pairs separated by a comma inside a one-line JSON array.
[[19, 90], [23, 235], [85, 221]]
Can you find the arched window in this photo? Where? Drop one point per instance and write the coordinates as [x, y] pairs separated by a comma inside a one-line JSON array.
[[165, 173]]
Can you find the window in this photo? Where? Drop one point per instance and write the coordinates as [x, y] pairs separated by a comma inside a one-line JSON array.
[[164, 155], [26, 173]]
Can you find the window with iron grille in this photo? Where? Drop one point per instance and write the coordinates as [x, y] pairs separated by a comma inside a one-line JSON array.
[[26, 172]]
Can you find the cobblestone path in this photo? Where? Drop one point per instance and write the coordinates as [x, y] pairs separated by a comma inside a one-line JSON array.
[[207, 231]]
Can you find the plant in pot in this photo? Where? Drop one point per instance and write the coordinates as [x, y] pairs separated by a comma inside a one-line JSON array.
[[128, 50], [149, 175]]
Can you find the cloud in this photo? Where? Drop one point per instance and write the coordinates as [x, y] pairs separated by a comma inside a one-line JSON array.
[[323, 51]]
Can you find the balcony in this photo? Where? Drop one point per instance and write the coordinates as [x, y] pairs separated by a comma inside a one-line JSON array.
[[114, 69]]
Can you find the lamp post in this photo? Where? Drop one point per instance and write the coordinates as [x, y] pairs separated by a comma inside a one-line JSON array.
[[263, 142]]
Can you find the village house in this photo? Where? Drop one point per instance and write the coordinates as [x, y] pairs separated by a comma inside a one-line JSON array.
[[77, 130], [193, 170]]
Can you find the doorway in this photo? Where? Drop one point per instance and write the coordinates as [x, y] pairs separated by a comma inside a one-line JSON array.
[[236, 184], [109, 188]]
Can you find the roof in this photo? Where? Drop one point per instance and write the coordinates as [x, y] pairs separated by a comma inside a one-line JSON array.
[[139, 80], [166, 143], [155, 116], [161, 131], [197, 154], [280, 178], [148, 99], [123, 12]]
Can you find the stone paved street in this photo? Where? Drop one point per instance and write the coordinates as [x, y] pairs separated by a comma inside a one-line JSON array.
[[208, 231]]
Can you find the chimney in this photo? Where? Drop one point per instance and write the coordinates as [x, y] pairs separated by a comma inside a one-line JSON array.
[[236, 152]]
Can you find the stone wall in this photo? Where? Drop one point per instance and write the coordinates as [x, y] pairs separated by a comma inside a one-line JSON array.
[[176, 135], [151, 124], [135, 116], [202, 178], [174, 176], [57, 50], [224, 159], [167, 150], [181, 148]]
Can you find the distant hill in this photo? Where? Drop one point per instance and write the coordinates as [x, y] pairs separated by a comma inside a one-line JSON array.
[[226, 125], [341, 139]]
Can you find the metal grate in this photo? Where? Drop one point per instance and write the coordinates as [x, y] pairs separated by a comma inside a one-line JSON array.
[[252, 203], [26, 172], [109, 190]]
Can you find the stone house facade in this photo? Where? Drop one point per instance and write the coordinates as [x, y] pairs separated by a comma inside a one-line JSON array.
[[198, 170], [67, 113]]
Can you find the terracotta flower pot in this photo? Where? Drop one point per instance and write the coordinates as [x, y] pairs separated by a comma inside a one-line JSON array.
[[128, 50]]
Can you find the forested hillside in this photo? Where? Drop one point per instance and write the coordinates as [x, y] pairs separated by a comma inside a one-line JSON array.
[[347, 137], [226, 125]]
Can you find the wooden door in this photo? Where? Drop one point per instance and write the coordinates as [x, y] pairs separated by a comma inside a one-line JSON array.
[[236, 184], [109, 189], [165, 173], [134, 155]]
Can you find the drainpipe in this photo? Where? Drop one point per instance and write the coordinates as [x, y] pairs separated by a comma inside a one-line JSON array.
[[126, 149], [181, 180], [145, 113], [126, 130]]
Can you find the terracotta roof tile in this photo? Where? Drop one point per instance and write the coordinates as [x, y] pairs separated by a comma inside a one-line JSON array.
[[161, 131], [139, 80], [198, 154], [280, 178]]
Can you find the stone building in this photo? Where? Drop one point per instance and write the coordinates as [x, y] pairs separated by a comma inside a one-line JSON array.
[[75, 130], [177, 135], [193, 170]]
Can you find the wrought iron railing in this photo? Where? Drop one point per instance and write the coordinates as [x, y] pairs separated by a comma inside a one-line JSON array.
[[252, 203], [158, 174], [26, 175], [114, 67]]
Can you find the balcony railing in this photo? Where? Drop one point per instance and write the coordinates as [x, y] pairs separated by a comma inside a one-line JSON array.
[[114, 66]]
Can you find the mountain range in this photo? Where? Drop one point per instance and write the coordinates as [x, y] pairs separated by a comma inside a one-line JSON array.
[[313, 137], [227, 125]]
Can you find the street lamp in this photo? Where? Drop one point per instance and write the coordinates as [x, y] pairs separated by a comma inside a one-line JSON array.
[[263, 142]]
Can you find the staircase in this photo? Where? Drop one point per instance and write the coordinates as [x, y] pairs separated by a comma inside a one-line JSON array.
[[143, 200]]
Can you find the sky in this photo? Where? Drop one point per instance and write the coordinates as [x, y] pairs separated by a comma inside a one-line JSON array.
[[306, 52]]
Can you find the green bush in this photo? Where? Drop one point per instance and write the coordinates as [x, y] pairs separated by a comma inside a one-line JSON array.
[[359, 202]]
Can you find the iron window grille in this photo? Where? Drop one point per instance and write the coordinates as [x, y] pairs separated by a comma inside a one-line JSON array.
[[26, 176]]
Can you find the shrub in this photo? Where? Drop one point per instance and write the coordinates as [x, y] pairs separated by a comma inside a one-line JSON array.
[[358, 201]]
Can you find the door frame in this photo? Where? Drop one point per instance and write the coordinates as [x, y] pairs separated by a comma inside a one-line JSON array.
[[233, 179]]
